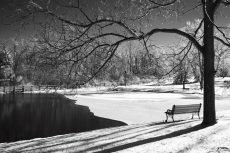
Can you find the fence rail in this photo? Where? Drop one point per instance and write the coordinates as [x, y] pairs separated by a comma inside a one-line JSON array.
[[27, 89]]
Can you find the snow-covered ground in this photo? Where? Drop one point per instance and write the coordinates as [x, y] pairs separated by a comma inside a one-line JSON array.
[[142, 107], [147, 103], [134, 108], [183, 136]]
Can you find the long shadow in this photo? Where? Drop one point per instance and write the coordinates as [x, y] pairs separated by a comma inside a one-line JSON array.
[[139, 133], [150, 140], [148, 126], [85, 139]]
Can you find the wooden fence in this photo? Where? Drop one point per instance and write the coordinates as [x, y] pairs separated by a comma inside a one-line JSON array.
[[28, 89]]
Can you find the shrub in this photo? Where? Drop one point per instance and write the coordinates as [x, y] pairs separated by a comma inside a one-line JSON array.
[[223, 72]]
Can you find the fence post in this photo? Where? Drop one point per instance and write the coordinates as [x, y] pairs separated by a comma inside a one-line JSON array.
[[125, 78], [39, 88]]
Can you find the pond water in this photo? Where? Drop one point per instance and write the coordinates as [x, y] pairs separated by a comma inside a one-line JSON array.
[[27, 116]]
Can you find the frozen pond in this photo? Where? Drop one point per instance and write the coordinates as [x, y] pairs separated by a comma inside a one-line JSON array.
[[143, 107]]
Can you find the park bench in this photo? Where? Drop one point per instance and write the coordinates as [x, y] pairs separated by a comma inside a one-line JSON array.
[[183, 109]]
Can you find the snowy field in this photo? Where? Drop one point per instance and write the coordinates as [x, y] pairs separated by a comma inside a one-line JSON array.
[[135, 108], [147, 103], [142, 107]]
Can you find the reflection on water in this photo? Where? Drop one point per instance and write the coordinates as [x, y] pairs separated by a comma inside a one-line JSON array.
[[26, 116]]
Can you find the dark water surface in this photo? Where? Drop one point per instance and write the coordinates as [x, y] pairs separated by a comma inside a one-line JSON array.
[[26, 116]]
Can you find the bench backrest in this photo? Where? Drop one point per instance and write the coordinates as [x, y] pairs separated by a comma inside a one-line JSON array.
[[182, 109]]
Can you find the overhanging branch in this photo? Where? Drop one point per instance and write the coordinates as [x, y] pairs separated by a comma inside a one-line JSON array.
[[179, 32]]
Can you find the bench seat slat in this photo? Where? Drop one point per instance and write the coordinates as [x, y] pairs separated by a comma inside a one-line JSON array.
[[187, 107], [176, 112], [186, 110]]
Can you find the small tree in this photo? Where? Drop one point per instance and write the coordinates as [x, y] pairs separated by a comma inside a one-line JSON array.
[[4, 62], [223, 72]]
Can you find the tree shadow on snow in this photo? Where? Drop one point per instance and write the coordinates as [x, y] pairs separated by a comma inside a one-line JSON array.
[[140, 130], [98, 142], [154, 139]]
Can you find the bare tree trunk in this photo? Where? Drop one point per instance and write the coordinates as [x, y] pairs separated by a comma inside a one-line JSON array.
[[201, 66], [209, 114]]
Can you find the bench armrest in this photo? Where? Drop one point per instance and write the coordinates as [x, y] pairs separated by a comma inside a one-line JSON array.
[[168, 111]]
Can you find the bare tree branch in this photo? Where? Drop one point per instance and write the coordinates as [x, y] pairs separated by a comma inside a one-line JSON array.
[[222, 41], [179, 32], [188, 47], [193, 8], [163, 4], [225, 2], [112, 50]]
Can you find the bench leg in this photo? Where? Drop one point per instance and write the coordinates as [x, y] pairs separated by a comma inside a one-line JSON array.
[[198, 115], [166, 118], [192, 115], [167, 115]]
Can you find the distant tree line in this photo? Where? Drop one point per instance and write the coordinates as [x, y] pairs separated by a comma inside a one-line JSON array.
[[36, 62]]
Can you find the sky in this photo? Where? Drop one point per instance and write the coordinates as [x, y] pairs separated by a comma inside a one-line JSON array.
[[15, 29]]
